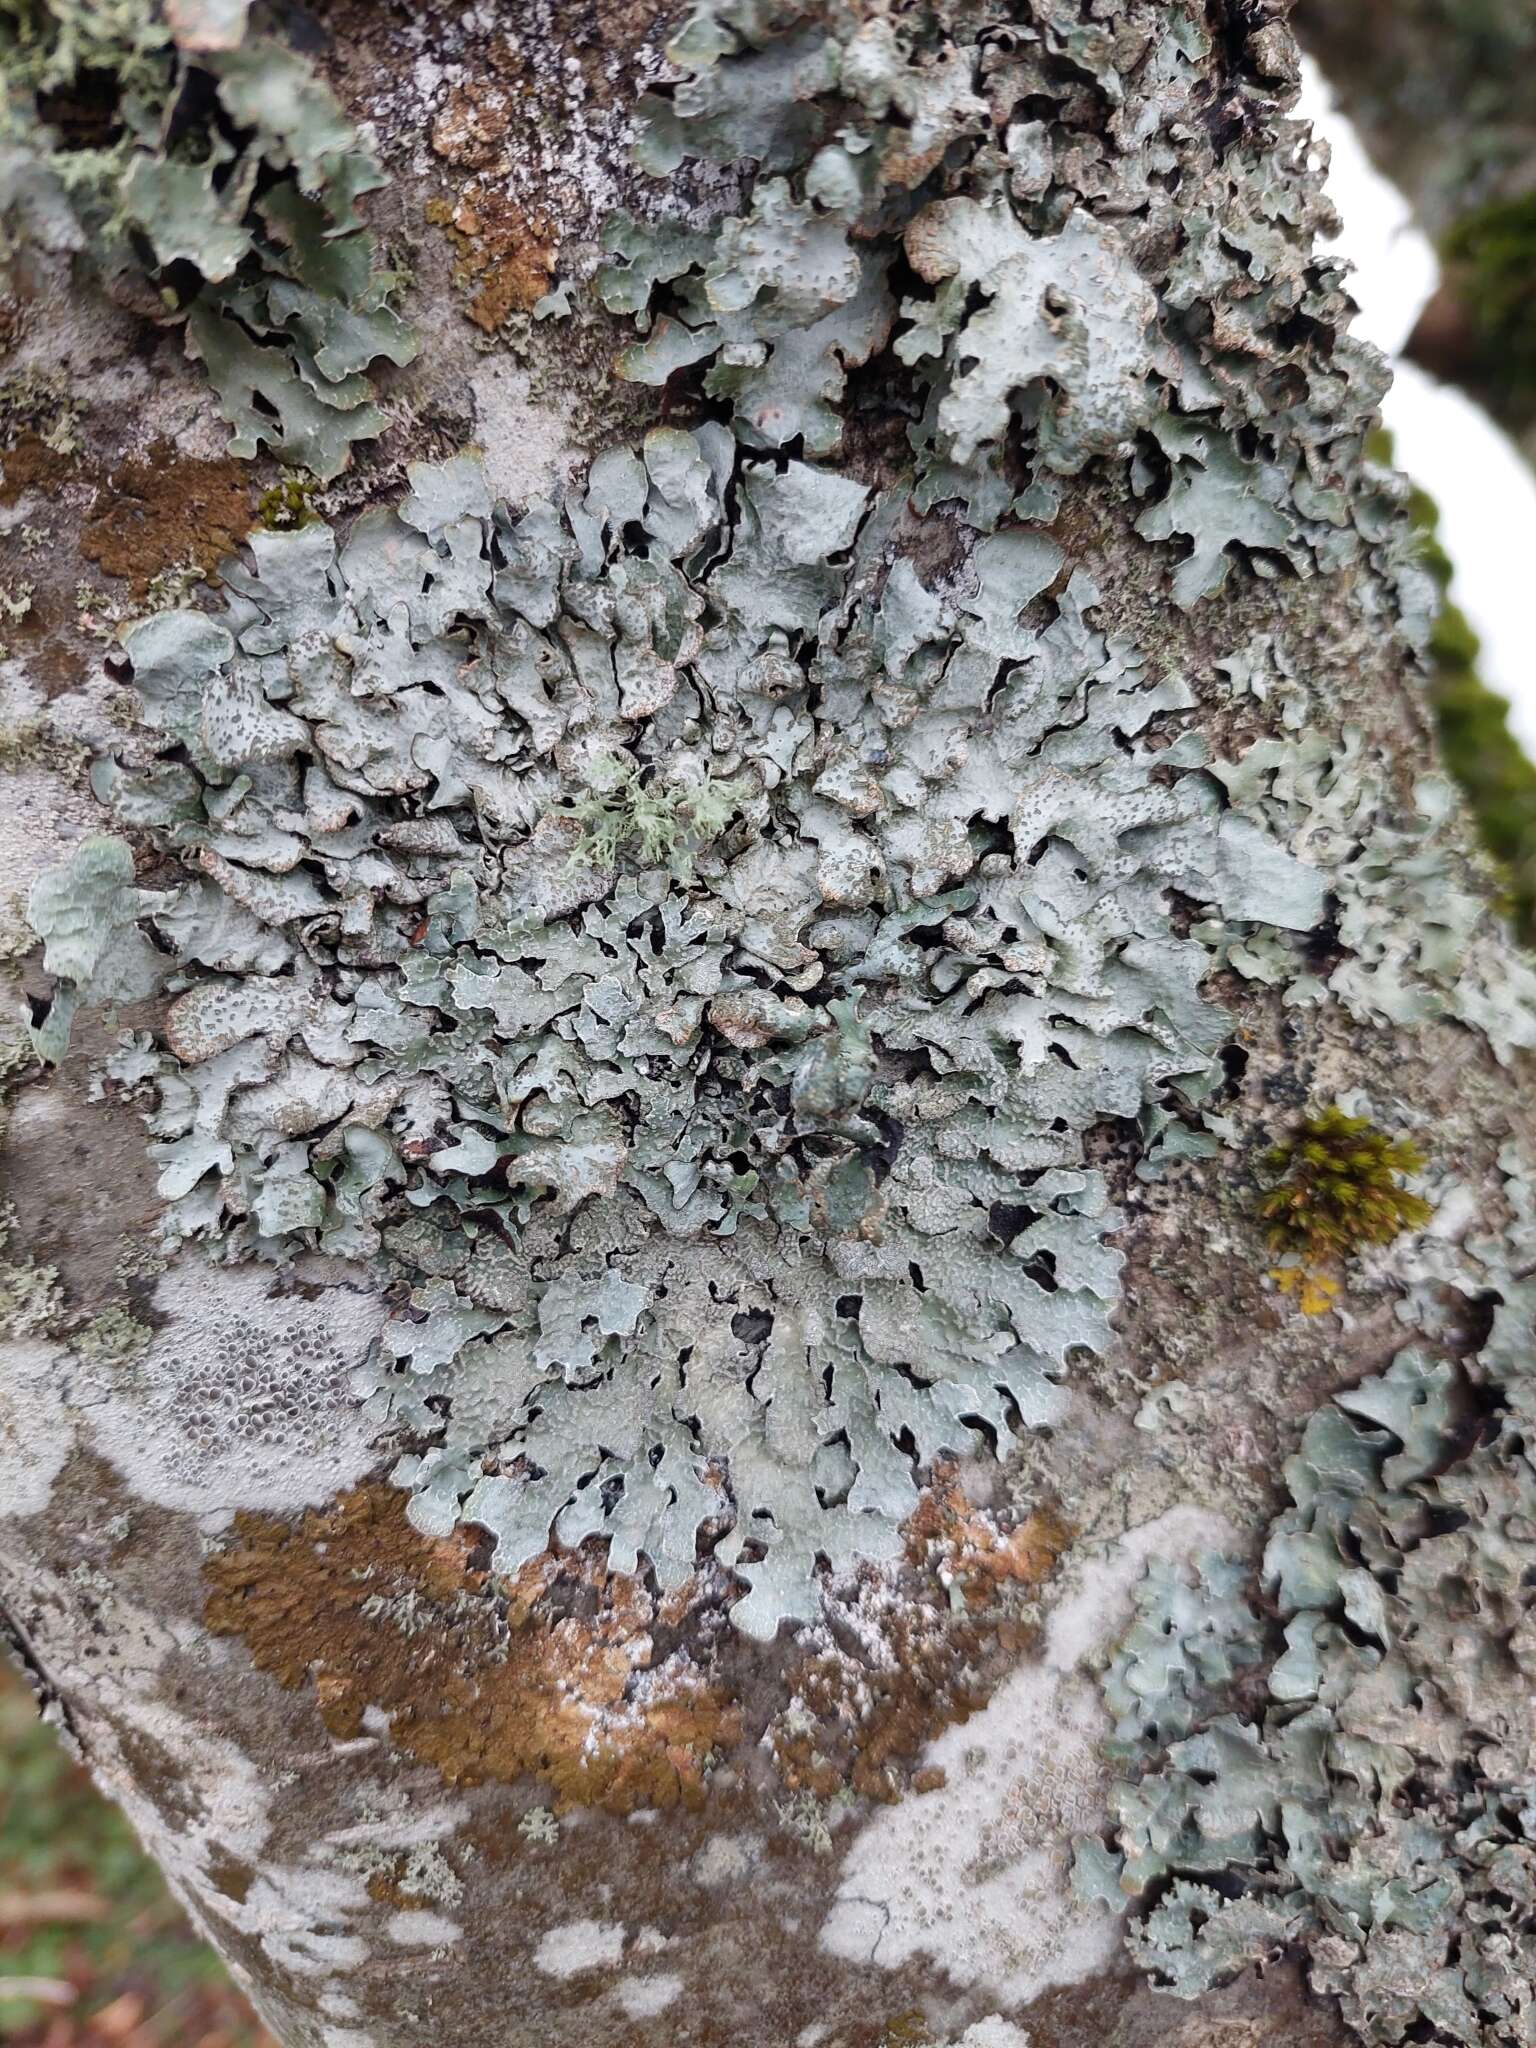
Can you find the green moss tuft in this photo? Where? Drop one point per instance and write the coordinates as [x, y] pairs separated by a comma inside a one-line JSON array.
[[1339, 1190], [1476, 744], [285, 506], [1491, 252]]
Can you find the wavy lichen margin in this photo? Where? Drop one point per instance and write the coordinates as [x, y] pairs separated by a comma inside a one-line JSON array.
[[216, 185], [1369, 1801]]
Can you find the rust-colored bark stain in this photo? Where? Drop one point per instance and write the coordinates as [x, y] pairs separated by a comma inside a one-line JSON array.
[[473, 122], [155, 513], [506, 249], [860, 1723], [506, 255], [558, 1673], [553, 1674], [973, 1549], [29, 464]]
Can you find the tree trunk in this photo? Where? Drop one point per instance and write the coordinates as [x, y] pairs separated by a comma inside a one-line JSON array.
[[1440, 93], [730, 1046]]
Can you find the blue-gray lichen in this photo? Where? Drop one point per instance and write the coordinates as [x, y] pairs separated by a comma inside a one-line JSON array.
[[1373, 1803], [87, 915], [1094, 269], [1421, 933], [692, 933], [734, 1187], [224, 196]]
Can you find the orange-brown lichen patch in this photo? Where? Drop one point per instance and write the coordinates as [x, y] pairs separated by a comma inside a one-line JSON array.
[[31, 465], [555, 1674], [472, 124], [506, 247], [893, 1662], [971, 1549], [388, 1891], [506, 254], [158, 513]]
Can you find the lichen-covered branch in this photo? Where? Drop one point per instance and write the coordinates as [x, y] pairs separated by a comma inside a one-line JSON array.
[[742, 1038]]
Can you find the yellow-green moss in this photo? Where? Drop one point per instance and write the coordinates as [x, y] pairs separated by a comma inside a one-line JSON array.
[[1338, 1189], [285, 505]]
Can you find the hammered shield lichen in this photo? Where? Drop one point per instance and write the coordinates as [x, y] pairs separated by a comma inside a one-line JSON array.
[[692, 944], [214, 177], [734, 1180], [1368, 1800]]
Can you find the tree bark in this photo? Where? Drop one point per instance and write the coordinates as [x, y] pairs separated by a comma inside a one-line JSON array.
[[1438, 92], [415, 1789]]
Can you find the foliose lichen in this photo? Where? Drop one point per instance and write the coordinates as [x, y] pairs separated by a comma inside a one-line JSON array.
[[217, 187], [1044, 334], [86, 913], [691, 933], [1420, 934], [730, 1191], [1370, 1801], [31, 1298]]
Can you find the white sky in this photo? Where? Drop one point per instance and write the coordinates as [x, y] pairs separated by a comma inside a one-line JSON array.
[[1485, 491]]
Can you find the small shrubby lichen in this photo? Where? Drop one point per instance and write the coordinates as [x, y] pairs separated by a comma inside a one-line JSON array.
[[666, 821], [115, 1337], [31, 1298]]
